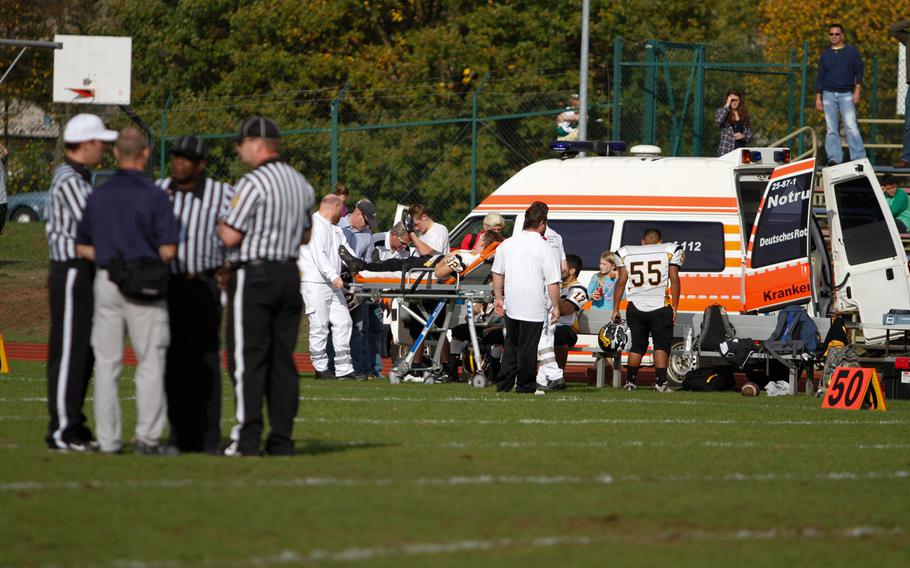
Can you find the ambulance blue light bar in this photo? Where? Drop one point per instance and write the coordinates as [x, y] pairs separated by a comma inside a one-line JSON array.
[[569, 149], [751, 156]]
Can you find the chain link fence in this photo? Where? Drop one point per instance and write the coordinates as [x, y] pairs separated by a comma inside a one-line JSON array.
[[451, 146]]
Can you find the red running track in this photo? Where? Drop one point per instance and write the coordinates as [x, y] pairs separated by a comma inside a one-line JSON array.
[[38, 352]]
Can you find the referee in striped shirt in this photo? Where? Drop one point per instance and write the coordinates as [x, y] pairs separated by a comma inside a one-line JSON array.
[[192, 377], [69, 283], [268, 220]]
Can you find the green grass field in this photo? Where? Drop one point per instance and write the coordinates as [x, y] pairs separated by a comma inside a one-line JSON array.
[[448, 475]]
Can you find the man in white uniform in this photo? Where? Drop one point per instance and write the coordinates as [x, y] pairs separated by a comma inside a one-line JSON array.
[[427, 236], [321, 287], [522, 271], [645, 273], [549, 374]]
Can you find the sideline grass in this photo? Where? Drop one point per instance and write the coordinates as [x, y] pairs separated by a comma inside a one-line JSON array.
[[412, 474]]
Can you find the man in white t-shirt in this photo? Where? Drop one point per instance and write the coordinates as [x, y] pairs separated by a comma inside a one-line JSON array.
[[645, 273], [522, 272], [549, 373], [427, 236]]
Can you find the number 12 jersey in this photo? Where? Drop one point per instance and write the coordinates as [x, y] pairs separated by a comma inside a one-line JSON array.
[[648, 267]]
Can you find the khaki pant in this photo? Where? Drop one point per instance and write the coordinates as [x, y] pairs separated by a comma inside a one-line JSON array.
[[147, 323]]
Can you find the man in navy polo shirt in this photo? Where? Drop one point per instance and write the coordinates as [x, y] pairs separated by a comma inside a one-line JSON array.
[[130, 218]]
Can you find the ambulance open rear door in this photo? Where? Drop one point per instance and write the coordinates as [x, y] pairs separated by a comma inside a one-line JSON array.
[[870, 266], [778, 268]]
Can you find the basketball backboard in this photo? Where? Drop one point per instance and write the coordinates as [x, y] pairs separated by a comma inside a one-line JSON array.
[[93, 70]]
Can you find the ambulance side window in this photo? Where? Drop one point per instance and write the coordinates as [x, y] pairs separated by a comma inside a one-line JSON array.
[[703, 243], [866, 234], [586, 238], [474, 225]]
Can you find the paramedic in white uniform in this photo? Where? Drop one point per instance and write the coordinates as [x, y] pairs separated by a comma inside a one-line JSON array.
[[645, 273], [427, 236], [522, 272], [322, 290], [549, 375]]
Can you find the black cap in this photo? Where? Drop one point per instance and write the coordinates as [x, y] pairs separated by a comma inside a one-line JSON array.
[[258, 127], [368, 210], [191, 147]]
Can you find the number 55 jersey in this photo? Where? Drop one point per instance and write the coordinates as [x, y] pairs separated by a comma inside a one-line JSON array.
[[648, 267]]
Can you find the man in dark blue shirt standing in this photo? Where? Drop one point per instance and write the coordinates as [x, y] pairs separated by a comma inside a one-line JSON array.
[[837, 88], [128, 219]]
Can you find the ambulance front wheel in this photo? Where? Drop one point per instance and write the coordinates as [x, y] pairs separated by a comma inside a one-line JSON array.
[[479, 381]]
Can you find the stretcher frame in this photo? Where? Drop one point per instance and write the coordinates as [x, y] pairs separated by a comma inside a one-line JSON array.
[[448, 294]]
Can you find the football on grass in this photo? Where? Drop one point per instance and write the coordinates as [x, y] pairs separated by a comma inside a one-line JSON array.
[[750, 389]]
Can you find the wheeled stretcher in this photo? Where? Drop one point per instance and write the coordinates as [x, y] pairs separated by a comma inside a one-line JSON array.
[[437, 304]]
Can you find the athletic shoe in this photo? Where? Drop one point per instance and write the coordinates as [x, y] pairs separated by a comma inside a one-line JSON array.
[[353, 263], [143, 449], [325, 376], [551, 386], [663, 388], [629, 386], [774, 388], [407, 221], [352, 376]]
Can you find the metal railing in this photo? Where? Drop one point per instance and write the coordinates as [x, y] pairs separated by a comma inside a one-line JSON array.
[[794, 134]]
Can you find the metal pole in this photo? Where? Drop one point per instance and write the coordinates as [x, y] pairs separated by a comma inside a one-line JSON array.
[[791, 89], [32, 43], [167, 104], [802, 93], [873, 104], [336, 104], [648, 125], [474, 96], [13, 64], [583, 72], [617, 87], [699, 103]]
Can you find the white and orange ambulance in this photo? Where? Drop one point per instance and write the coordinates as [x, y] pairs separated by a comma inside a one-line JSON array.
[[744, 219]]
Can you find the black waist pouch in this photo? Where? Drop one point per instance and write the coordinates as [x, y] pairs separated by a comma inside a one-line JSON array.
[[142, 279]]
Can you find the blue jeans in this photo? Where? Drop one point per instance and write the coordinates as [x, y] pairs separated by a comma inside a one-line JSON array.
[[905, 155], [359, 343], [374, 338], [842, 103]]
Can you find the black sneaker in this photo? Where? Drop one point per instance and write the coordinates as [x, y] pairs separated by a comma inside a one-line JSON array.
[[551, 386], [325, 376], [352, 376], [143, 449], [407, 221], [353, 263]]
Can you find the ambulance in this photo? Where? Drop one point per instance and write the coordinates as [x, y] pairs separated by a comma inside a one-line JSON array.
[[745, 221]]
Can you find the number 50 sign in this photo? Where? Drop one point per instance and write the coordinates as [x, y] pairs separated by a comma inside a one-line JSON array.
[[854, 388]]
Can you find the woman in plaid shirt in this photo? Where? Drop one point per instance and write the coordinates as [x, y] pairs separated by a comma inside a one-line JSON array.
[[733, 119]]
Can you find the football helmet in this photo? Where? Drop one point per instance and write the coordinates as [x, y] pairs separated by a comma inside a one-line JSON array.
[[614, 337]]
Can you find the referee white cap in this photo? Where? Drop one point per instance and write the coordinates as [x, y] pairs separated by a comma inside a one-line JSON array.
[[85, 127]]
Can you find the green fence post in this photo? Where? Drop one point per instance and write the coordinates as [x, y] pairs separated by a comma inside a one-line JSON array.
[[699, 104], [649, 126], [791, 91], [163, 138], [617, 86], [474, 96], [802, 94], [873, 109], [336, 104]]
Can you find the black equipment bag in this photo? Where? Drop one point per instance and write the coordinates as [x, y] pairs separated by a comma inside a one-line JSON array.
[[143, 279], [709, 379], [715, 328]]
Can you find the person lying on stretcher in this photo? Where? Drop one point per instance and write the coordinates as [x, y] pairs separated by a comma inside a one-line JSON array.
[[445, 265]]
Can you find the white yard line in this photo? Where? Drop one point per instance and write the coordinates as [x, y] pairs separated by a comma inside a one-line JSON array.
[[475, 480], [420, 549]]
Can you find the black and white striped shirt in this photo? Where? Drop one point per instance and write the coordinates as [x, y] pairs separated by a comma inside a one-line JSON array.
[[65, 204], [271, 207], [198, 211]]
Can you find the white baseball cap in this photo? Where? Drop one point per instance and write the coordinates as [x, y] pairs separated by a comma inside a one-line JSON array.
[[85, 127]]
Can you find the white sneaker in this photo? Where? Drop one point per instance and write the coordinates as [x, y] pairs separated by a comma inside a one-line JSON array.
[[663, 388], [629, 386]]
